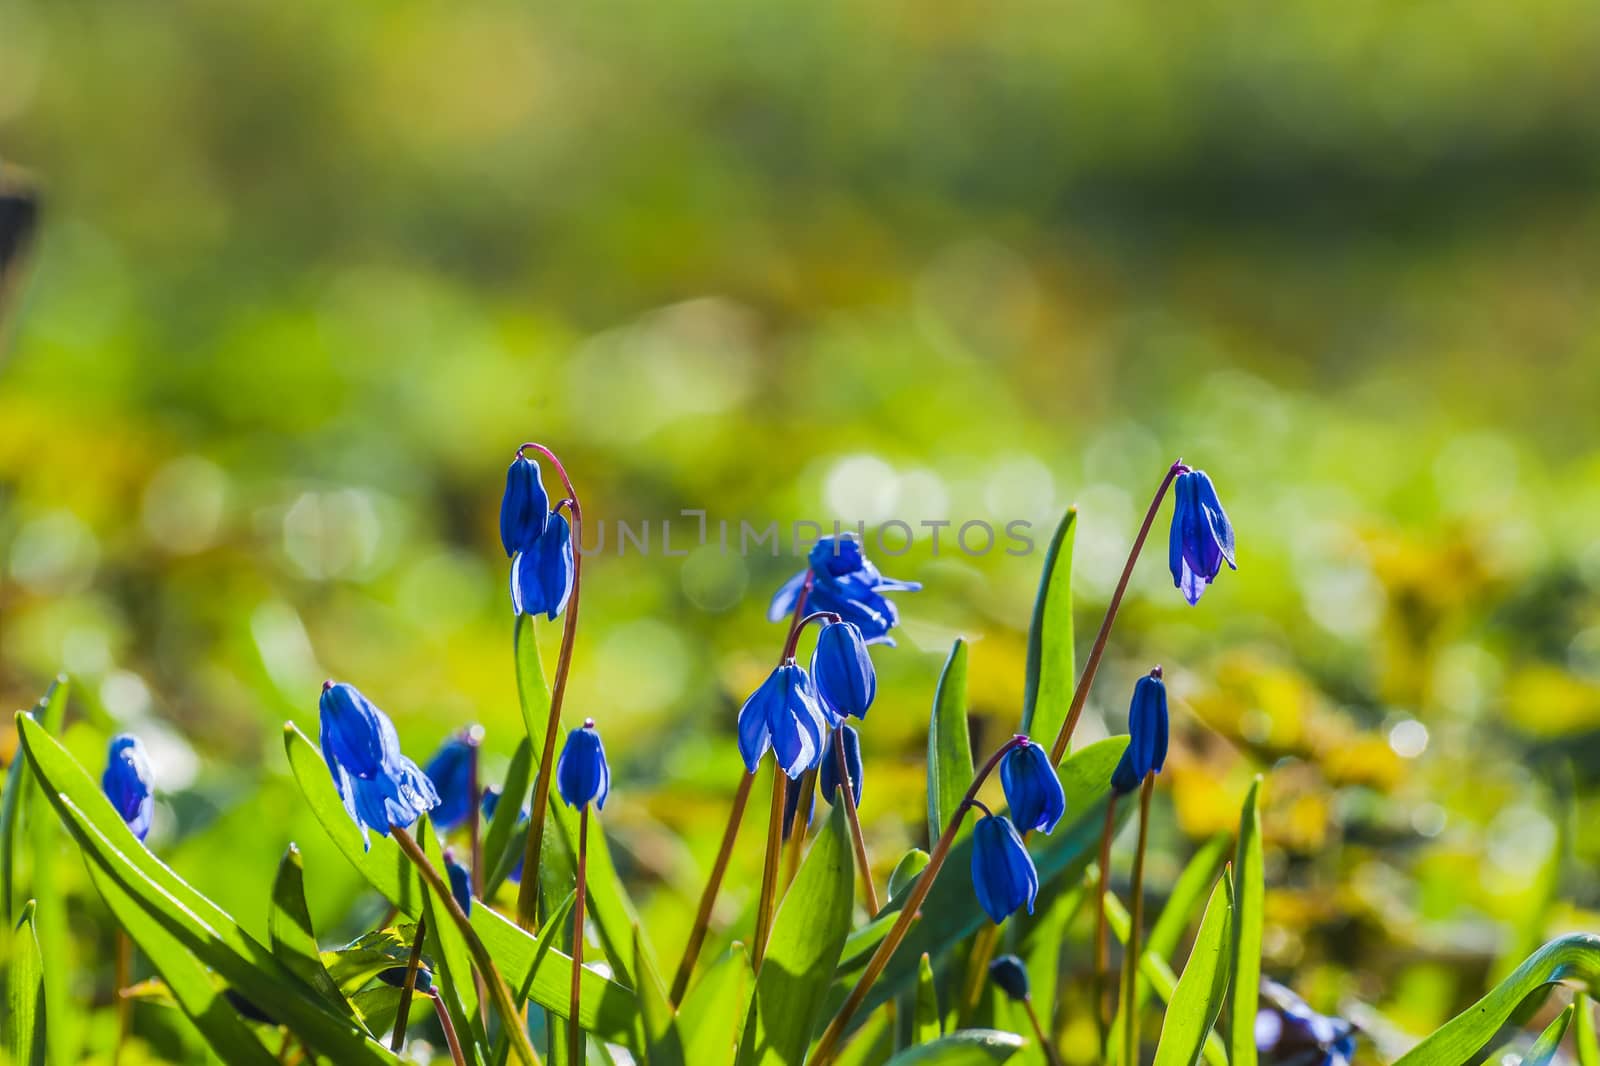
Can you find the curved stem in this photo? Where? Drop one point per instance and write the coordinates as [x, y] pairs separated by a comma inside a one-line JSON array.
[[1130, 962], [449, 1028], [528, 892], [1080, 695], [796, 627], [847, 788], [1102, 941], [413, 962], [574, 1032], [1038, 1031], [769, 869], [831, 1036]]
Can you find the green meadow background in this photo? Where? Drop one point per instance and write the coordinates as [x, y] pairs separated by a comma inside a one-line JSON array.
[[309, 273]]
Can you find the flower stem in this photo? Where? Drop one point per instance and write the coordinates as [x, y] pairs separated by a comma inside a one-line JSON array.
[[1130, 961], [413, 962], [795, 827], [848, 793], [574, 1031], [719, 868], [831, 1036], [1080, 695], [769, 870], [1038, 1031], [510, 1019], [449, 1028], [1102, 942], [528, 893]]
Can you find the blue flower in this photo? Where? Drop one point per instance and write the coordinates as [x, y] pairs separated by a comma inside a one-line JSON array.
[[380, 787], [582, 775], [491, 802], [1123, 779], [126, 782], [842, 670], [1011, 975], [525, 507], [1202, 537], [845, 582], [1032, 788], [451, 771], [460, 882], [785, 715], [1147, 725], [1289, 1033], [1003, 874], [542, 571], [828, 771]]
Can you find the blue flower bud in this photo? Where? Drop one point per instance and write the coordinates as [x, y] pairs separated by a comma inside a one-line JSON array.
[[126, 783], [525, 507], [791, 807], [582, 775], [845, 582], [1123, 779], [542, 572], [395, 977], [1003, 874], [451, 771], [1202, 537], [1009, 973], [1032, 788], [828, 771], [1147, 725], [491, 803], [460, 882], [380, 787], [842, 670], [784, 715]]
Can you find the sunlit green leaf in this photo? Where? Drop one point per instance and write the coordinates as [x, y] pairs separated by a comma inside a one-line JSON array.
[[1583, 1032], [713, 1013], [905, 872], [502, 846], [1158, 974], [949, 743], [26, 1015], [294, 941], [925, 1023], [1249, 901], [1198, 999], [1047, 691], [663, 1041], [1543, 1051], [965, 1047], [12, 802]]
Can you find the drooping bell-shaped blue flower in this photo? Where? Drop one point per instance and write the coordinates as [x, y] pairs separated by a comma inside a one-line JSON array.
[[452, 771], [525, 507], [842, 670], [1202, 537], [1003, 873], [491, 803], [1289, 1033], [785, 715], [828, 771], [460, 882], [1032, 789], [542, 571], [380, 787], [582, 776], [845, 582], [1010, 975], [126, 782], [1147, 725]]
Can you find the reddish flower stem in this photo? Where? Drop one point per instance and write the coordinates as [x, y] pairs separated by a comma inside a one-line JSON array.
[[1130, 961], [848, 798], [574, 1031], [413, 962]]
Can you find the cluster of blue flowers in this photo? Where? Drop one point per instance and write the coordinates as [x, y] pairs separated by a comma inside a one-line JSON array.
[[537, 540], [844, 582]]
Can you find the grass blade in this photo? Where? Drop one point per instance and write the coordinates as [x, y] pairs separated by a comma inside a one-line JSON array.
[[1583, 1033], [1047, 690], [1197, 1000], [1544, 1049], [25, 993], [715, 1008], [925, 1025], [1249, 902], [949, 744], [965, 1047], [1158, 974], [294, 941], [49, 711]]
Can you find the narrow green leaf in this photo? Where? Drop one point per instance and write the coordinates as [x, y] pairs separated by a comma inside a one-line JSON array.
[[1249, 903], [364, 958], [949, 743], [49, 712], [925, 1024], [452, 959], [533, 690], [294, 941], [807, 936], [1543, 1051], [1047, 691], [1158, 975], [554, 924], [713, 1012], [1583, 1033], [502, 845], [50, 918], [1196, 1002], [965, 1047], [906, 870], [194, 990], [25, 993], [873, 1044], [663, 1041]]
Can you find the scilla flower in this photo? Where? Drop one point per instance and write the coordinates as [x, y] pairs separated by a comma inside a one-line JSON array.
[[1003, 874], [842, 670], [785, 715], [542, 571], [1123, 779], [460, 882], [845, 582], [380, 787], [126, 782], [1147, 725], [582, 775], [491, 803], [1032, 788], [451, 771], [828, 771], [525, 507], [1202, 537], [1011, 976], [1290, 1033]]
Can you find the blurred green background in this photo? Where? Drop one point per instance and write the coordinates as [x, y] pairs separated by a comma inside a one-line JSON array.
[[309, 273]]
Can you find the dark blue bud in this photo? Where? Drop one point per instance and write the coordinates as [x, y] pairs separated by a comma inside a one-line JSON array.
[[1202, 537], [460, 882], [525, 508], [395, 976], [791, 807], [1147, 725], [247, 1009], [1011, 976], [126, 783], [1003, 874], [1123, 779], [542, 572], [842, 670], [1032, 789], [582, 775], [491, 803], [452, 770], [785, 715], [380, 787], [828, 771]]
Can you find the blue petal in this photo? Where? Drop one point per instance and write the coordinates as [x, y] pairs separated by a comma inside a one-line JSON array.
[[582, 776], [1177, 540], [828, 770], [783, 601], [1123, 779], [755, 720], [450, 770], [525, 506], [1147, 726], [843, 672], [795, 720], [1215, 517], [1032, 789], [541, 574], [353, 731]]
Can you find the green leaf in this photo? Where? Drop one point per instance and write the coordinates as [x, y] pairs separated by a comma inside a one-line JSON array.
[[1047, 691], [608, 1008], [949, 743], [50, 917], [663, 1041], [905, 872], [452, 959], [553, 926], [1583, 1032], [194, 990], [1544, 1049], [1197, 1000], [1158, 974], [25, 993], [502, 846], [713, 1012], [364, 958], [294, 941], [807, 936], [965, 1047], [1249, 902], [533, 690], [925, 1025], [49, 711]]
